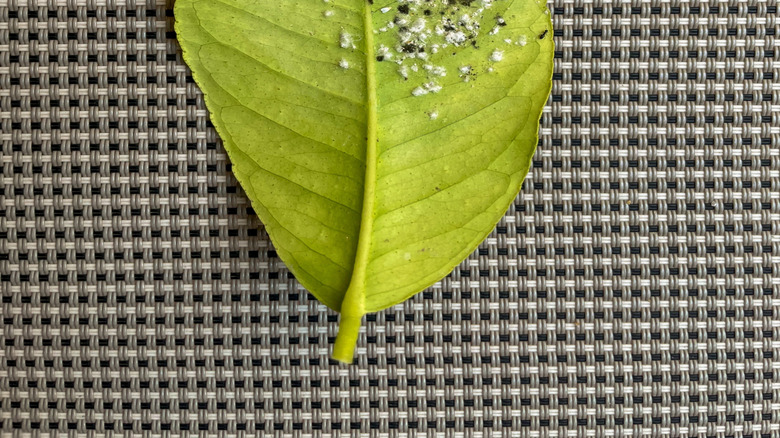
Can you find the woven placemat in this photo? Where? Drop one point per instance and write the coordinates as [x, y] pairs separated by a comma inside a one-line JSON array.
[[631, 290]]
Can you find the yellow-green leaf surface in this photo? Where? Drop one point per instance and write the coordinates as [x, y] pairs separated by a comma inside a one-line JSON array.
[[379, 142]]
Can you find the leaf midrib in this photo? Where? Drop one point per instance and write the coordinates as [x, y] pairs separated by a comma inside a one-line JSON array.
[[353, 303]]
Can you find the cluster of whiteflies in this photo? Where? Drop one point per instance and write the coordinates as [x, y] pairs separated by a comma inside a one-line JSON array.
[[424, 28]]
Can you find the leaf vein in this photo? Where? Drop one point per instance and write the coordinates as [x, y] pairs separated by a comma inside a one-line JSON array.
[[288, 179]]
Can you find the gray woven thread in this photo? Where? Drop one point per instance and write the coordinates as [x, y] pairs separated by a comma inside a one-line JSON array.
[[631, 290]]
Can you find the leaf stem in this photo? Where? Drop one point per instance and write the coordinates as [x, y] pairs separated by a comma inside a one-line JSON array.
[[346, 340], [353, 303]]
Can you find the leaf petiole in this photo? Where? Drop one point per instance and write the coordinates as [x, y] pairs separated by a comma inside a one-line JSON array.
[[346, 340]]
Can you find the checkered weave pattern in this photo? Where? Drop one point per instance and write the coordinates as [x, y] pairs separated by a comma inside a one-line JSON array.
[[633, 289]]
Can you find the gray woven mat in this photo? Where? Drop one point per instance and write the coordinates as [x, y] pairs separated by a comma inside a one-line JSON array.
[[632, 290]]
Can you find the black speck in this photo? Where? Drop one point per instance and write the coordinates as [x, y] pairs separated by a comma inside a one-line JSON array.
[[543, 34], [427, 12], [409, 48], [474, 43], [404, 9], [380, 58], [465, 2]]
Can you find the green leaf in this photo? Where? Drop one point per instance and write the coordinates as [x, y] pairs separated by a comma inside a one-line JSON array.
[[379, 143]]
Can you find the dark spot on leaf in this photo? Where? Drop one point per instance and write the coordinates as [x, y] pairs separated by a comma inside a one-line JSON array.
[[465, 2], [543, 34], [409, 48], [380, 58], [427, 12], [500, 21], [437, 189], [404, 9]]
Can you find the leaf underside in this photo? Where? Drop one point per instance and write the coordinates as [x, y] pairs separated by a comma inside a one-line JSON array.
[[379, 143]]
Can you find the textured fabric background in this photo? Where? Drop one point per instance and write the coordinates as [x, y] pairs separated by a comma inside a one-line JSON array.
[[632, 289]]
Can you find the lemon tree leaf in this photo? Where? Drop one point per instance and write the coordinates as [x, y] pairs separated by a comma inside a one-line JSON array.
[[379, 141]]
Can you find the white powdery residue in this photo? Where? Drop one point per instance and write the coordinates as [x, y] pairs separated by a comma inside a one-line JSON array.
[[465, 72], [405, 36], [455, 37], [328, 13], [404, 71], [439, 71], [345, 41], [422, 55], [385, 10], [507, 40], [522, 41], [415, 68], [418, 26], [497, 55], [383, 52], [494, 30], [432, 87], [429, 87], [433, 115], [434, 48], [465, 21], [344, 64]]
